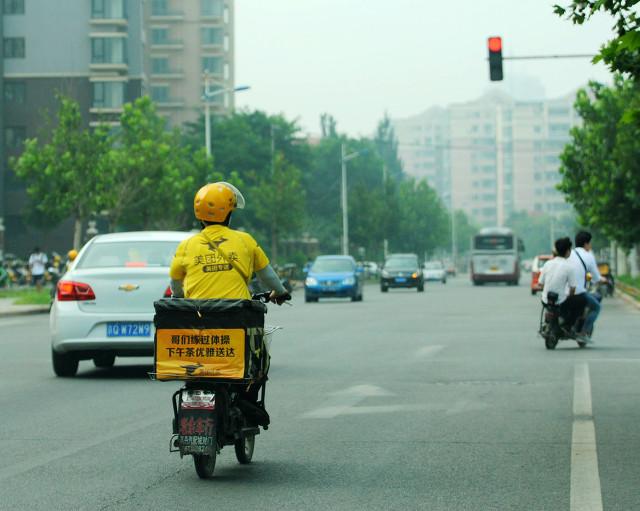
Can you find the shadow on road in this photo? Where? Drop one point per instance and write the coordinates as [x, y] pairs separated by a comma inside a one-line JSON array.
[[122, 372]]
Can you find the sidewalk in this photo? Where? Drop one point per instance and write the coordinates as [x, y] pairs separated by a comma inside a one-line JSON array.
[[7, 308]]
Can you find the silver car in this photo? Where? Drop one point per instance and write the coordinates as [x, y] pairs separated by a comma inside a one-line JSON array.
[[104, 304], [434, 270]]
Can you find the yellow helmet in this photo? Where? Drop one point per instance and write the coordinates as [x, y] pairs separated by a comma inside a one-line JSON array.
[[214, 202], [72, 254]]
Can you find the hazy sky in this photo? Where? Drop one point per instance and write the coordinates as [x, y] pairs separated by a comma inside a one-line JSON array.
[[357, 58]]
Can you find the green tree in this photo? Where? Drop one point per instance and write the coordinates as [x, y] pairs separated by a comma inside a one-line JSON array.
[[601, 165], [67, 176], [154, 170], [387, 147], [622, 52], [279, 203]]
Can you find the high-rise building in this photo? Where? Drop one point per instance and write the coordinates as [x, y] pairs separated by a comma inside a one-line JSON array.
[[490, 157], [89, 50], [184, 40], [103, 53]]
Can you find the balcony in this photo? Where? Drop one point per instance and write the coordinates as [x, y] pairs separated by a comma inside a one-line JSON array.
[[118, 22], [167, 103], [168, 44], [169, 74], [104, 110], [108, 67], [168, 15]]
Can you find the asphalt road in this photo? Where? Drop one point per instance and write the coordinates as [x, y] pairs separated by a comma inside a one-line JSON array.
[[442, 400]]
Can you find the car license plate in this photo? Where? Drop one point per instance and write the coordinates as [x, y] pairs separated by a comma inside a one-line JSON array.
[[494, 268], [122, 329], [400, 279]]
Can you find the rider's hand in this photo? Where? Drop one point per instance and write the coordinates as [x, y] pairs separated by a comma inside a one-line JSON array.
[[279, 299]]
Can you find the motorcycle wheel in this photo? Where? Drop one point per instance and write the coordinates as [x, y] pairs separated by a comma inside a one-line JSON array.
[[205, 465], [550, 343], [582, 344], [244, 449]]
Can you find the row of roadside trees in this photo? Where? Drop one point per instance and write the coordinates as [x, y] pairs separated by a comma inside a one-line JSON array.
[[601, 165], [142, 175]]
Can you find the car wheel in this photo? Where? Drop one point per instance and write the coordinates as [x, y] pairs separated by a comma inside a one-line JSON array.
[[444, 281], [384, 289], [64, 364], [310, 299], [104, 360]]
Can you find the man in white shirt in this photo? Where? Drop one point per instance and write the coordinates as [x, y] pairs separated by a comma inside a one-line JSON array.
[[37, 264], [583, 262], [557, 276]]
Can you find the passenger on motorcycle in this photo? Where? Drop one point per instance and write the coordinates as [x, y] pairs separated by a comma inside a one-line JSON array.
[[585, 269], [218, 262], [558, 276]]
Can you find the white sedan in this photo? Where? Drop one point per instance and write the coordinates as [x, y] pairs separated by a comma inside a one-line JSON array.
[[104, 304], [434, 270]]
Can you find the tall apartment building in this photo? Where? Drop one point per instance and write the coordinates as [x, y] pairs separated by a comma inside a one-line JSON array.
[[104, 53], [90, 50], [184, 40], [492, 156]]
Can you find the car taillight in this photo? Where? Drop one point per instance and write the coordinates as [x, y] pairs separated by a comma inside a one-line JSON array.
[[167, 292], [71, 291]]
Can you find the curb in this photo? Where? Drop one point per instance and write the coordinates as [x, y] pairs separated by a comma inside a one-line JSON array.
[[26, 312], [628, 298]]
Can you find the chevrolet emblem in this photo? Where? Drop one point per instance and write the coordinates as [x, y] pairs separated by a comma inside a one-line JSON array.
[[128, 287]]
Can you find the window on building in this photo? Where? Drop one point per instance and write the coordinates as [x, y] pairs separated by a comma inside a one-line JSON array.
[[212, 35], [14, 137], [159, 35], [108, 50], [108, 94], [160, 93], [108, 9], [15, 92], [212, 64], [14, 48], [212, 8], [159, 7], [13, 6], [160, 65], [558, 111]]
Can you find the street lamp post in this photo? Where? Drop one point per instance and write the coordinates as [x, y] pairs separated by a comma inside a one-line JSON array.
[[206, 97], [344, 158]]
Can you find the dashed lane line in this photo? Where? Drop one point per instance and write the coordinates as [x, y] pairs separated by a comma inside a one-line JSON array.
[[586, 494]]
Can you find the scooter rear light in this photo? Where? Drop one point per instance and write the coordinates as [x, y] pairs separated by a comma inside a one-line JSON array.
[[167, 292], [71, 291], [197, 400]]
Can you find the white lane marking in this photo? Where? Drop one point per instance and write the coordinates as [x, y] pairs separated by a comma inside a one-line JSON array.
[[586, 494], [429, 351], [342, 401]]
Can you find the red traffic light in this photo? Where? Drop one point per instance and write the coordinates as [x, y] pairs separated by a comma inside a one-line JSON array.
[[495, 44]]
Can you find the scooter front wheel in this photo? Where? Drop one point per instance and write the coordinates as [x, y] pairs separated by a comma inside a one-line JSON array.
[[550, 343], [205, 465]]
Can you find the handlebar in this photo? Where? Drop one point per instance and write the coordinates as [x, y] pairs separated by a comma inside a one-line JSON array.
[[266, 297]]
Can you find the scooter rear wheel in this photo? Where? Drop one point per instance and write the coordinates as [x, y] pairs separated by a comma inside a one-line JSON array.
[[244, 449], [205, 465], [582, 344], [550, 343]]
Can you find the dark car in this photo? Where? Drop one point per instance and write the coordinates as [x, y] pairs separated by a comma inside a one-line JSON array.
[[401, 270], [333, 276]]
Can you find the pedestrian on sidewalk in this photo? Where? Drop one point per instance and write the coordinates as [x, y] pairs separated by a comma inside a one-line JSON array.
[[37, 265]]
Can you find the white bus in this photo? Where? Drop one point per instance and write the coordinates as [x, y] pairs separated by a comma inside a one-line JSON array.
[[495, 256]]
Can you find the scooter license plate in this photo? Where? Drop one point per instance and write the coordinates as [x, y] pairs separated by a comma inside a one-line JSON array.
[[196, 432]]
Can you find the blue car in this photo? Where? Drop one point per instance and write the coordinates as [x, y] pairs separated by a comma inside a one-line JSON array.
[[333, 276]]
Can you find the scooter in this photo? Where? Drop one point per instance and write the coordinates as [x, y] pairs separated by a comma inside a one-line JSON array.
[[209, 414], [552, 324]]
